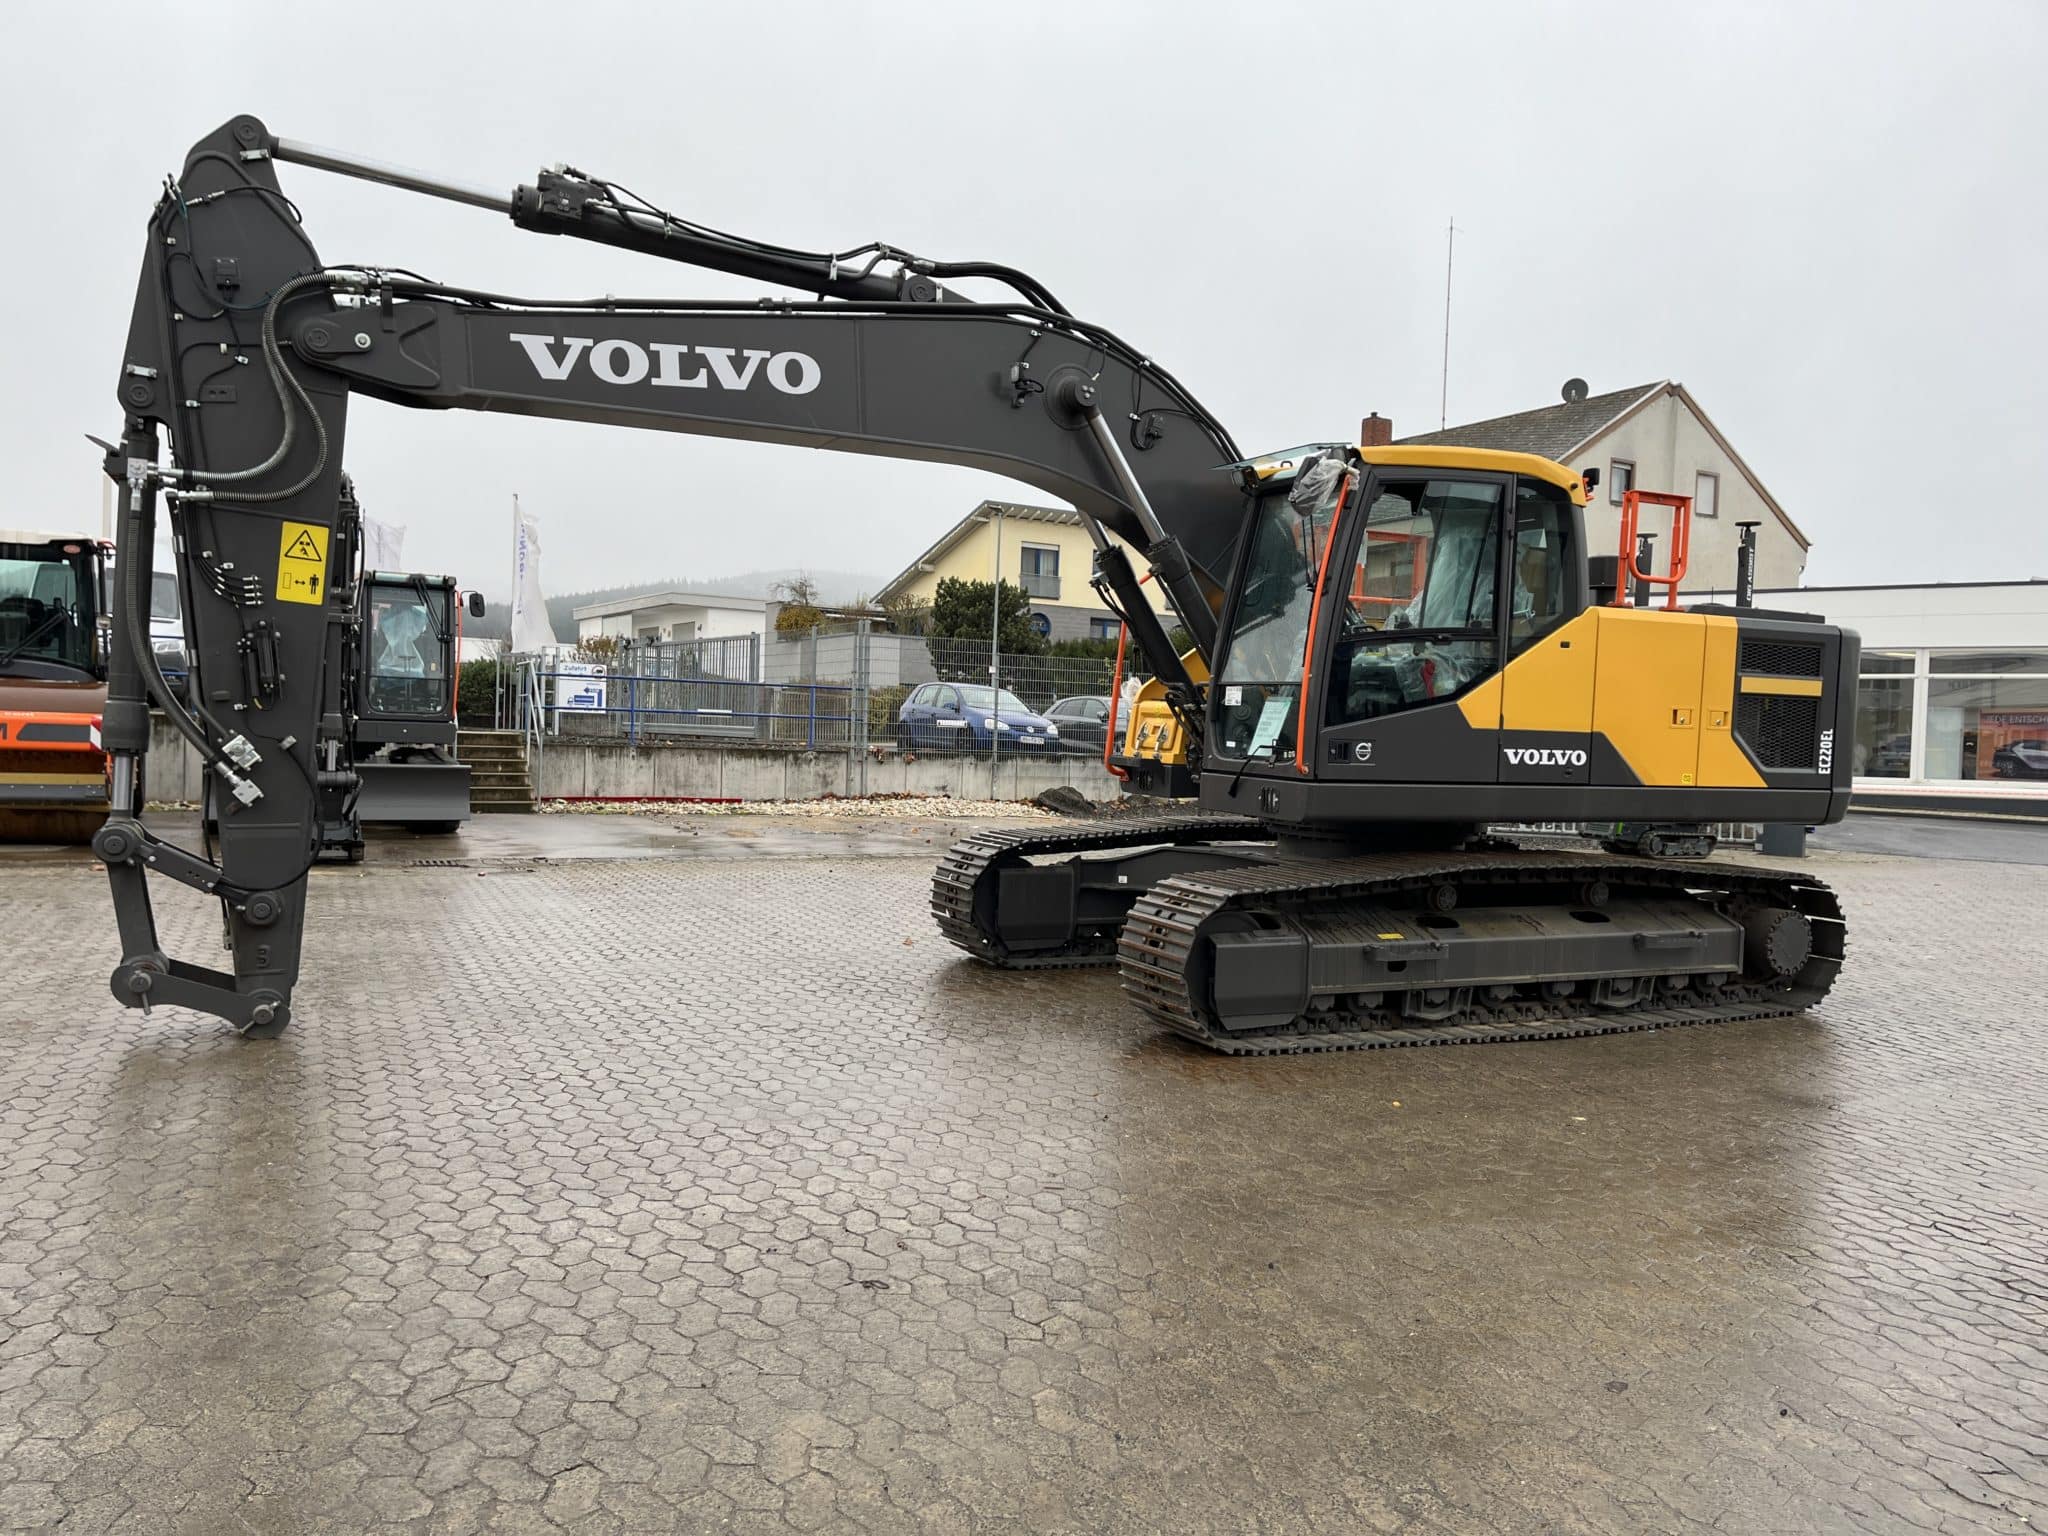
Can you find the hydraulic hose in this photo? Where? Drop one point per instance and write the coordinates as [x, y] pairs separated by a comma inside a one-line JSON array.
[[135, 623], [287, 385]]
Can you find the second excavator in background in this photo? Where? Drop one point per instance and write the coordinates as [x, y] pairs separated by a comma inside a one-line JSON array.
[[53, 686]]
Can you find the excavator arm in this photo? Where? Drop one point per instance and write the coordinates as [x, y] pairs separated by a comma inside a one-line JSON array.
[[245, 346]]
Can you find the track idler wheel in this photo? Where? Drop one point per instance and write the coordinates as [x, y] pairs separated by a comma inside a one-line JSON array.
[[1777, 942]]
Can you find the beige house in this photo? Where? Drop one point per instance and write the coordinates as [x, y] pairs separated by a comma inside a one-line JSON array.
[[1044, 550], [1654, 437]]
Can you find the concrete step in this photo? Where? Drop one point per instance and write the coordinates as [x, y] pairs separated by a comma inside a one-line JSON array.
[[499, 780], [488, 801]]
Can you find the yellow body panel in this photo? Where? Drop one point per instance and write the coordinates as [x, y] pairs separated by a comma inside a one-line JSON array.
[[1549, 687], [1660, 687], [1723, 764], [1481, 707], [1646, 693]]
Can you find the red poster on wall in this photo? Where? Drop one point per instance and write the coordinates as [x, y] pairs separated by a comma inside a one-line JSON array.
[[2012, 744]]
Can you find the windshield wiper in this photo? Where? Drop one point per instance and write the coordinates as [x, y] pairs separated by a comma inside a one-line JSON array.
[[30, 638]]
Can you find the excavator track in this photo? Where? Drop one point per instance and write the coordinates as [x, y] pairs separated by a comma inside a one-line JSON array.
[[1161, 951], [963, 886]]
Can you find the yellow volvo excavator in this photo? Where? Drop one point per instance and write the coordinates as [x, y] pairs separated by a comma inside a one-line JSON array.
[[1393, 648]]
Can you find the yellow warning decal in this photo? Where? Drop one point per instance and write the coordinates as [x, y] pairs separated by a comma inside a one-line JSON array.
[[1390, 935], [301, 563]]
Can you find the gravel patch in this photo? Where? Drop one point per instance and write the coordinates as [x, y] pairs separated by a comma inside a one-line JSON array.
[[832, 806]]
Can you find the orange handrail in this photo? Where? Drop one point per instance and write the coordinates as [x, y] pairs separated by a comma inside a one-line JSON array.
[[1681, 542], [1116, 684], [1308, 650]]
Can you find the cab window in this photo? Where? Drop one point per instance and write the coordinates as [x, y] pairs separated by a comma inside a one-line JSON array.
[[1545, 563], [1417, 622]]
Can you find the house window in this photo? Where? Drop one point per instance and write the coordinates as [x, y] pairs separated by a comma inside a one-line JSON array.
[[1621, 479], [1706, 494], [1041, 571], [1103, 629]]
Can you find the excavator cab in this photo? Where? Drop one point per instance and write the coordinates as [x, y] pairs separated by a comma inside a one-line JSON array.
[[1426, 612], [404, 737], [1388, 589]]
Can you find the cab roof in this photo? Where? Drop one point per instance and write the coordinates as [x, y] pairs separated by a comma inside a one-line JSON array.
[[48, 536], [1431, 456]]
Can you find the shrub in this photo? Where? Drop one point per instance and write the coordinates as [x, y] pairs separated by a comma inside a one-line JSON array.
[[883, 704], [476, 688]]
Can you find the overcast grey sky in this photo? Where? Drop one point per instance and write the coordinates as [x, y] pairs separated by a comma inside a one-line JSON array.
[[1829, 221]]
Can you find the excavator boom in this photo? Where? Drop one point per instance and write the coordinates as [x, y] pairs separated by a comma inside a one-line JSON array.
[[245, 347]]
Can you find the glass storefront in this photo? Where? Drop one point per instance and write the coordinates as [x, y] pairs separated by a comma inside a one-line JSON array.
[[1884, 727], [1987, 728], [1953, 716]]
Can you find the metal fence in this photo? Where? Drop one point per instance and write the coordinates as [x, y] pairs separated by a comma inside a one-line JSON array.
[[563, 698], [1732, 834], [840, 688], [721, 658], [1038, 681]]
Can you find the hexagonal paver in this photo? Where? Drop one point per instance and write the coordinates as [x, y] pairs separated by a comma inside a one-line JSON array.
[[715, 1192]]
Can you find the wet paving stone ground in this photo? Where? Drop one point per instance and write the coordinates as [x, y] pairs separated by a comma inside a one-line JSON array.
[[716, 1194]]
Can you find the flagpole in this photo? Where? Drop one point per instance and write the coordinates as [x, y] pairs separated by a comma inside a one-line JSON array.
[[512, 607]]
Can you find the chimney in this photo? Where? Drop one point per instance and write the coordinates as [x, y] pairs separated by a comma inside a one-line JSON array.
[[1375, 432]]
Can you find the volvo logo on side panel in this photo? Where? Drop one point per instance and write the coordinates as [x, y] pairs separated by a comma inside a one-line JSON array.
[[1546, 757]]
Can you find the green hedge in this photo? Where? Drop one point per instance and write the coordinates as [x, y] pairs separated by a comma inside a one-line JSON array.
[[883, 706], [476, 687]]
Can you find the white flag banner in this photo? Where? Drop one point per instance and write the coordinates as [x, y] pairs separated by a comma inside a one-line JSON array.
[[383, 545], [530, 628]]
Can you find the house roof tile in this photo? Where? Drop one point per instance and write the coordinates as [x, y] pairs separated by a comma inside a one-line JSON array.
[[1550, 432]]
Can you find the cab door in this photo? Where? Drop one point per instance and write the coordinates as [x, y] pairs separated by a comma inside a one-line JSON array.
[[1551, 645], [1408, 676]]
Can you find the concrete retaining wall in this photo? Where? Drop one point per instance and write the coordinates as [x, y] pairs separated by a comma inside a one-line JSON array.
[[174, 767], [577, 771]]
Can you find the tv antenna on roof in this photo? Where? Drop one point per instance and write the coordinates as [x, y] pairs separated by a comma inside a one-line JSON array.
[[1443, 404], [1574, 391]]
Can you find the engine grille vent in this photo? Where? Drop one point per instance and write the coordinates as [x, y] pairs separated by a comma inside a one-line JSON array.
[[1781, 658], [1781, 730]]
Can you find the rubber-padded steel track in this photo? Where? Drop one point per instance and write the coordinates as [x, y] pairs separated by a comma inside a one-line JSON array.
[[963, 886], [1161, 952]]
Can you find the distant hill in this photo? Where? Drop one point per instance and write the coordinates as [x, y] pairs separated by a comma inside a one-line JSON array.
[[833, 587]]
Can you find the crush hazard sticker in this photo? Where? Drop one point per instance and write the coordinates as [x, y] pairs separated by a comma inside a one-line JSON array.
[[301, 563]]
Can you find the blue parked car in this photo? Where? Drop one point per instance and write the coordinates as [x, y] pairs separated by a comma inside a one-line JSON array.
[[965, 717]]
